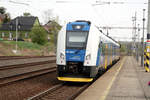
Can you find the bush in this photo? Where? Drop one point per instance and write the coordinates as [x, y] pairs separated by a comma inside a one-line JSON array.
[[39, 35], [55, 28]]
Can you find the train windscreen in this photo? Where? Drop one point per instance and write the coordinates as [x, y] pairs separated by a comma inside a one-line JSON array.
[[77, 40]]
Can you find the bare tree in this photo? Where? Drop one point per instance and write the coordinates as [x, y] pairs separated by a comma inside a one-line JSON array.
[[48, 15]]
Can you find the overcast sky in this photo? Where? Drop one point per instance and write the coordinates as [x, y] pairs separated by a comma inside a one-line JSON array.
[[102, 15]]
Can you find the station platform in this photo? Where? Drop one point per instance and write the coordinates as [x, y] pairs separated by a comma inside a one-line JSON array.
[[126, 80]]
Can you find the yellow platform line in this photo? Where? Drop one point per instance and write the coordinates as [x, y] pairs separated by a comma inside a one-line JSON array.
[[112, 81]]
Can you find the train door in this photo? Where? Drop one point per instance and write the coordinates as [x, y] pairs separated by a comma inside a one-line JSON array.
[[99, 54], [106, 55]]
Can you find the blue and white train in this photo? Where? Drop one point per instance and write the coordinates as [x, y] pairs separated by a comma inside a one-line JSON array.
[[82, 51]]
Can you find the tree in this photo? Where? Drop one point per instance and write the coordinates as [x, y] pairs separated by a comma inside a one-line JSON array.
[[39, 35], [26, 14], [6, 18], [55, 28], [2, 10]]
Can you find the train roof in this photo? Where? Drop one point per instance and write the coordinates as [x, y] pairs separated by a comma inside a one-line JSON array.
[[80, 22], [106, 39]]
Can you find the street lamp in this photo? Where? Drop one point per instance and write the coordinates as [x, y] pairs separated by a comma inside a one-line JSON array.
[[138, 35], [10, 34], [17, 28]]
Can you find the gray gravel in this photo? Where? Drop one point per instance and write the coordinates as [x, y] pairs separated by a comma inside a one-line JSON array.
[[23, 89]]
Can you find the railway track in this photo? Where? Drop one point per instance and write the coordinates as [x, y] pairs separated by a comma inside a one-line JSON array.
[[23, 57], [65, 91], [25, 65], [12, 73], [28, 87], [31, 86], [14, 78]]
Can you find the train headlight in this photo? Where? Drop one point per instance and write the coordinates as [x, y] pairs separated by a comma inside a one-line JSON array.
[[88, 57], [78, 27], [62, 56]]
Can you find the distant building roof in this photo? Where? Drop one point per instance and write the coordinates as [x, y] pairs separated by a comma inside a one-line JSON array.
[[47, 26], [25, 23]]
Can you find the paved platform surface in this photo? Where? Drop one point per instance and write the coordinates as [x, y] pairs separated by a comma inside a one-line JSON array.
[[126, 80]]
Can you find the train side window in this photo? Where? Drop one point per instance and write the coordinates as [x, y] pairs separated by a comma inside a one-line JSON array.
[[106, 49], [103, 47], [100, 44]]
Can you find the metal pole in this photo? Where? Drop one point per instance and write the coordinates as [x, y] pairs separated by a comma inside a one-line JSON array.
[[138, 42], [148, 25], [135, 37], [133, 51], [142, 55], [16, 33]]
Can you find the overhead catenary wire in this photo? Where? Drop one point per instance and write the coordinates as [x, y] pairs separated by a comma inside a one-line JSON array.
[[119, 27], [15, 2], [101, 2]]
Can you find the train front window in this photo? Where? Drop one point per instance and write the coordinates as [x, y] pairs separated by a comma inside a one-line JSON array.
[[76, 39]]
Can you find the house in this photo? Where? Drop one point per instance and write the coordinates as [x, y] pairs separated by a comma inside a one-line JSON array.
[[1, 18], [48, 26], [52, 27], [24, 26]]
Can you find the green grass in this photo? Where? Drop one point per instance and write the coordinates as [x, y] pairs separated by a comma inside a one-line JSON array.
[[23, 45], [26, 48]]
